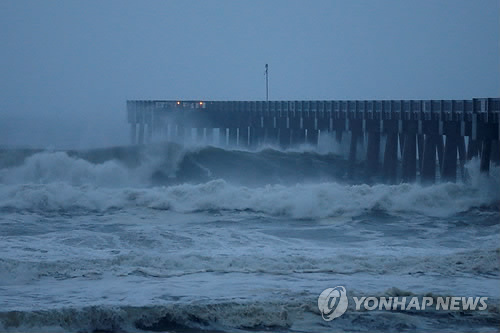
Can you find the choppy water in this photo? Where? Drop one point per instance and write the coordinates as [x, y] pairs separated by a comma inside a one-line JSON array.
[[168, 238]]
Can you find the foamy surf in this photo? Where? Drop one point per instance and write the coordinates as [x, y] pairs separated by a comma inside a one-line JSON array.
[[301, 201], [56, 181], [169, 238]]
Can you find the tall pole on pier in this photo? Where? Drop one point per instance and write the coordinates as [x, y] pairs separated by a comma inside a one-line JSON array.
[[267, 82]]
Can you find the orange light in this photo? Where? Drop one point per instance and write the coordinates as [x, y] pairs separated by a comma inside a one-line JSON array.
[[201, 103], [178, 103]]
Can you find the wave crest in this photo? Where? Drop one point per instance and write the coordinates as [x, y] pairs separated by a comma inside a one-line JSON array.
[[302, 201], [168, 177]]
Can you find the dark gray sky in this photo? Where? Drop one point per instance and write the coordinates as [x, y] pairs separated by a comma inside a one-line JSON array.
[[67, 67]]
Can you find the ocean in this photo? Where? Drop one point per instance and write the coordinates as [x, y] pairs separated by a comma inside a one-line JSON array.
[[172, 238]]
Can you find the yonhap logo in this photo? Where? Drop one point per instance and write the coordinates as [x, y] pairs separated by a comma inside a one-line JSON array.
[[332, 303]]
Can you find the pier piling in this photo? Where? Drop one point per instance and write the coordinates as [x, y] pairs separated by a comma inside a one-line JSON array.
[[429, 159]]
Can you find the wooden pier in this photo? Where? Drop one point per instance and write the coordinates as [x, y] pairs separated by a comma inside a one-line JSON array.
[[403, 139]]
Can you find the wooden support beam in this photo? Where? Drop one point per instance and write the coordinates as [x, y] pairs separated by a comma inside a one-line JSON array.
[[461, 155], [485, 156], [180, 132], [149, 136], [353, 152], [440, 150], [391, 158], [495, 151], [223, 136], [256, 136], [420, 149], [449, 168], [373, 153], [356, 130], [401, 143], [209, 135], [338, 136], [428, 174], [200, 135], [472, 149], [312, 137], [243, 136], [133, 133], [140, 139], [233, 136], [284, 137], [409, 167]]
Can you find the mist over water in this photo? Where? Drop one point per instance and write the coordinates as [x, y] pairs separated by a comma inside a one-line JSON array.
[[63, 129], [170, 237]]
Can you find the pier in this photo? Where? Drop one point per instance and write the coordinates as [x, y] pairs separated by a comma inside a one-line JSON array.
[[401, 140]]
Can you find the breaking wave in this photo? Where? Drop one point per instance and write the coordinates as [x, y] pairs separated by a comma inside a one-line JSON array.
[[298, 184]]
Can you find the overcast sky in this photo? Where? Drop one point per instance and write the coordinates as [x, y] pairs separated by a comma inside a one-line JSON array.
[[67, 67]]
